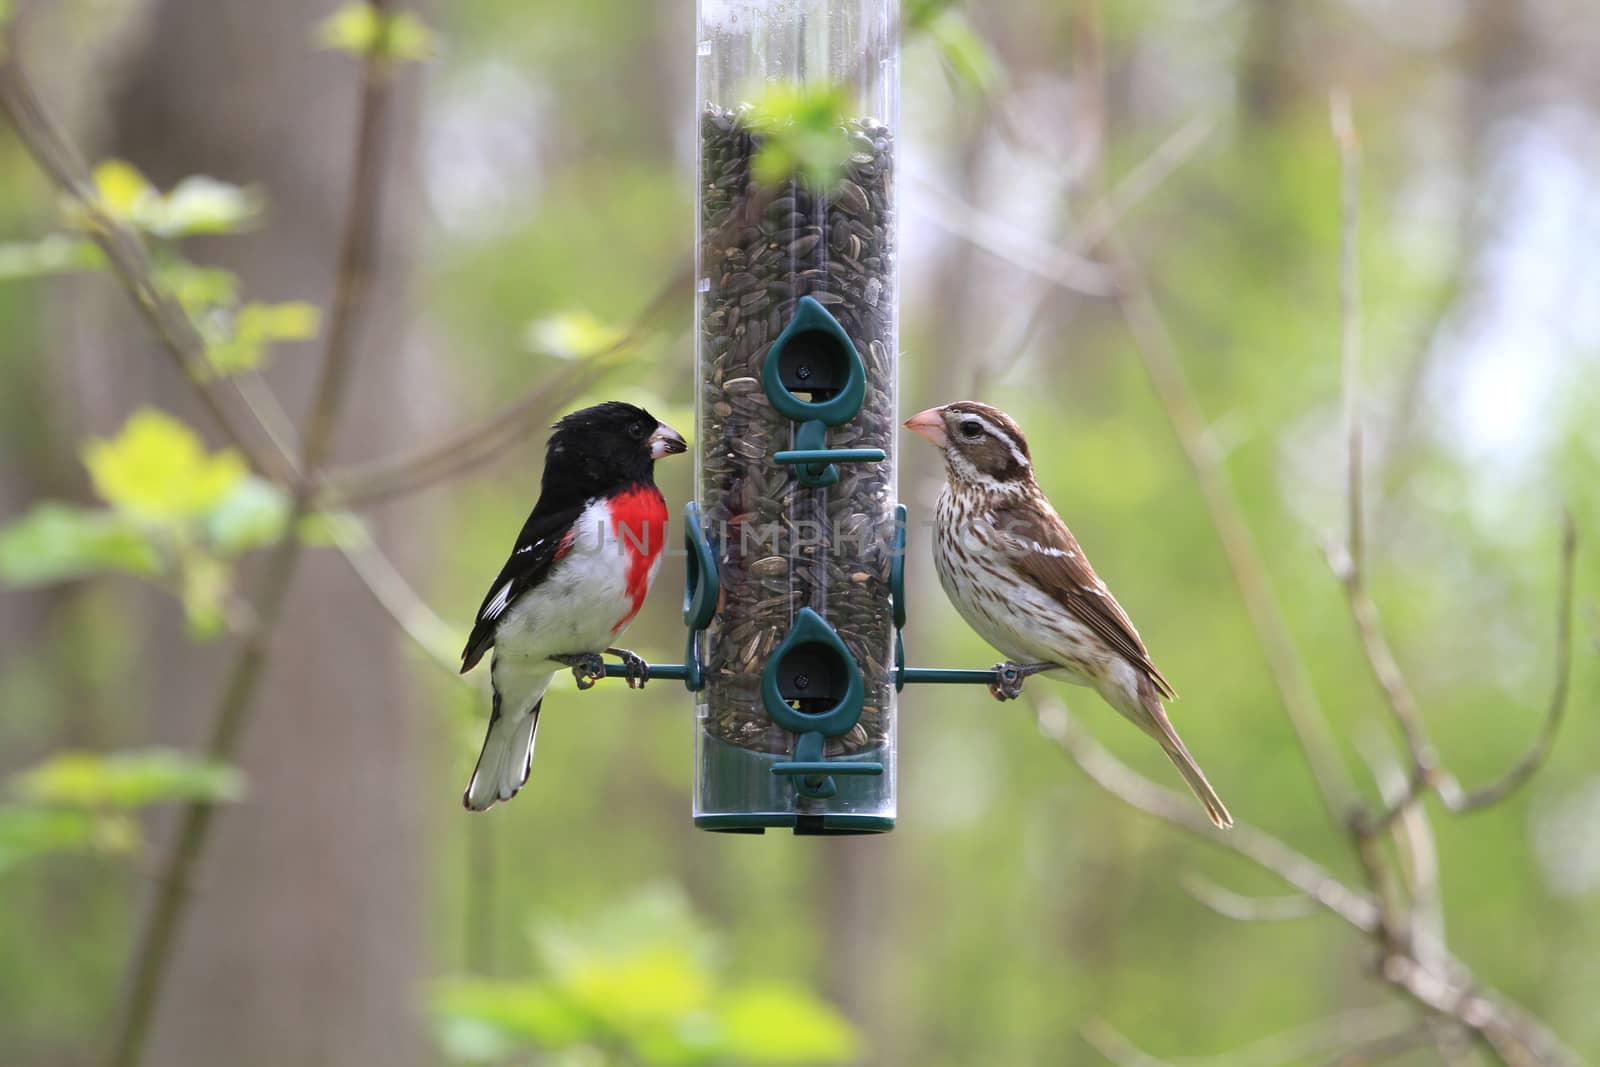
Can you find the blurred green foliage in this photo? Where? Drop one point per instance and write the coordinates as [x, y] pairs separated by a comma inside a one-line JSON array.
[[1015, 902], [196, 205], [802, 132], [174, 512], [361, 29], [963, 52], [573, 335], [82, 802], [641, 982]]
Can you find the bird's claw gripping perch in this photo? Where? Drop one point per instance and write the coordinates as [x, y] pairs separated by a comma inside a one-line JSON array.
[[587, 668], [638, 671], [1008, 679]]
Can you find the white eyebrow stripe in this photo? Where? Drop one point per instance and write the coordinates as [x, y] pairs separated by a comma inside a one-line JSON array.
[[999, 434]]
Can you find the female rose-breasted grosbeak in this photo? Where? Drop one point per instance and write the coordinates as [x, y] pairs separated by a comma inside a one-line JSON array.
[[579, 572], [1019, 578]]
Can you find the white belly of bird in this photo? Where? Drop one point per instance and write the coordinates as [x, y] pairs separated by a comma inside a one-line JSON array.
[[577, 607], [1026, 624]]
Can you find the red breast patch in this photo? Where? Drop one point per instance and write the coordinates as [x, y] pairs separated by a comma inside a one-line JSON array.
[[639, 522]]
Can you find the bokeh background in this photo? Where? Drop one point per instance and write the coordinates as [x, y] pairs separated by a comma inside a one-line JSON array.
[[540, 194]]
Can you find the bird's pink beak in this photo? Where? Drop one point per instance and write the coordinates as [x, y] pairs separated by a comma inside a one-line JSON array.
[[929, 425]]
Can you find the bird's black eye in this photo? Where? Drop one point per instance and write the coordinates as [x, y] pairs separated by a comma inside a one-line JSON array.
[[971, 429], [638, 430]]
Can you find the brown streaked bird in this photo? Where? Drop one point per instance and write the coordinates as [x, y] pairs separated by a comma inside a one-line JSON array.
[[1019, 578]]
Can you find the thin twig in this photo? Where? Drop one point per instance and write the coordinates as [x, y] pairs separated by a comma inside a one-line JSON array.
[[1348, 561], [434, 637], [1183, 414], [1242, 908], [357, 259], [1359, 1026], [1380, 657], [1419, 868], [1344, 135], [1115, 1046], [1385, 1047], [1141, 181], [1448, 988], [481, 441], [368, 483], [124, 251], [1158, 354], [1424, 773], [1534, 758], [1265, 851]]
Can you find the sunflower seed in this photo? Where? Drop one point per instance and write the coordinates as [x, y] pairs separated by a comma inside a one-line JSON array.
[[783, 546]]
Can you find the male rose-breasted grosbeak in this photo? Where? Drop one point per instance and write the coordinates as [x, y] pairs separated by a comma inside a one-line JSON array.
[[579, 572], [1019, 578]]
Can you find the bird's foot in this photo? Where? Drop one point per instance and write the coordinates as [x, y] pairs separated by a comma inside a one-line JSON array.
[[587, 667], [1008, 678], [638, 670]]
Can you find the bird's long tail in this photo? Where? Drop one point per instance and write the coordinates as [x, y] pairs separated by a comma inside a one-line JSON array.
[[506, 758], [1160, 727]]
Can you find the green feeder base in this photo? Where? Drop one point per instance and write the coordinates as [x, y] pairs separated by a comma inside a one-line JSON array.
[[736, 792]]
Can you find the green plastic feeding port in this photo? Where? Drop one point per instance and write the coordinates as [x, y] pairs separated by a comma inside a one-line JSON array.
[[796, 365], [814, 376]]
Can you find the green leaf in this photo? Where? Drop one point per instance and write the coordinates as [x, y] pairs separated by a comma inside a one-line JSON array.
[[360, 29], [55, 254], [123, 192], [204, 583], [573, 335], [410, 38], [57, 542], [803, 133], [28, 833], [196, 205], [964, 53], [656, 915], [199, 289], [516, 1014], [251, 516], [642, 991], [127, 780], [293, 321], [918, 14], [255, 327], [201, 205], [784, 1023], [470, 1041], [639, 972], [158, 470], [333, 529]]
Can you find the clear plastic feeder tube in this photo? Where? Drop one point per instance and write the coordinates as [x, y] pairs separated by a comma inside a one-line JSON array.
[[796, 353]]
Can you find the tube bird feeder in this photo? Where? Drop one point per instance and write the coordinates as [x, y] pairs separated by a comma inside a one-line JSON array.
[[794, 597], [796, 370]]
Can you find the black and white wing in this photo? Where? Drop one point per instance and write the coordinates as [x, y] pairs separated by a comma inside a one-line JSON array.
[[545, 538]]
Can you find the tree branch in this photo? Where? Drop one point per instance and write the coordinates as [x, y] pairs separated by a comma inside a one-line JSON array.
[[357, 256], [123, 249], [1159, 357], [1183, 414], [1344, 1033], [1534, 758], [1447, 989], [1348, 564], [377, 480], [1265, 851], [1241, 908]]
